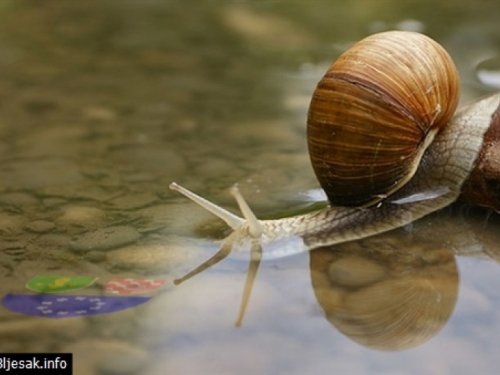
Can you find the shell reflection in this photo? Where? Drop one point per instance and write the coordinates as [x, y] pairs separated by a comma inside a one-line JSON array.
[[386, 293]]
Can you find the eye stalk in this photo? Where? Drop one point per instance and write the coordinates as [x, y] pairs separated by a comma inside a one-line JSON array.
[[230, 219]]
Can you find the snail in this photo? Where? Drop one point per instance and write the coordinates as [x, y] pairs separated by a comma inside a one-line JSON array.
[[386, 146]]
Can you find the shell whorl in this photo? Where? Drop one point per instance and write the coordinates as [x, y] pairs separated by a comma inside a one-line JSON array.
[[374, 113]]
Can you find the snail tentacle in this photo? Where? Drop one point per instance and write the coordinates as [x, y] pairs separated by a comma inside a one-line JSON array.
[[254, 227], [230, 219]]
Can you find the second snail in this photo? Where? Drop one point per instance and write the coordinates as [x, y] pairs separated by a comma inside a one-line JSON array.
[[387, 146]]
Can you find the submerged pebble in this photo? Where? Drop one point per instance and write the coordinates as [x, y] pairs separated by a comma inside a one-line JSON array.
[[149, 257], [150, 157], [39, 173], [86, 217], [18, 199], [53, 239], [134, 201], [11, 223], [105, 239], [178, 218], [40, 226]]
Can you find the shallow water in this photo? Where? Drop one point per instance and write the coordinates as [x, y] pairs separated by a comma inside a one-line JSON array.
[[104, 103]]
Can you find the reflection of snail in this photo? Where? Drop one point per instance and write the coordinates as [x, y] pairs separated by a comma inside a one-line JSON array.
[[383, 104], [383, 294]]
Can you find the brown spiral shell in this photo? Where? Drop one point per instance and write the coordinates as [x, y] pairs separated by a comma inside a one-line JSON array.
[[374, 113]]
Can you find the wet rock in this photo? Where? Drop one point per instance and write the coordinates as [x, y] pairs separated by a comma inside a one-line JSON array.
[[41, 141], [138, 177], [155, 216], [105, 239], [18, 199], [151, 157], [39, 173], [12, 245], [257, 26], [134, 201], [82, 216], [82, 191], [150, 257], [95, 256], [40, 226], [181, 218], [53, 239], [8, 261], [11, 223], [276, 133], [214, 166]]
